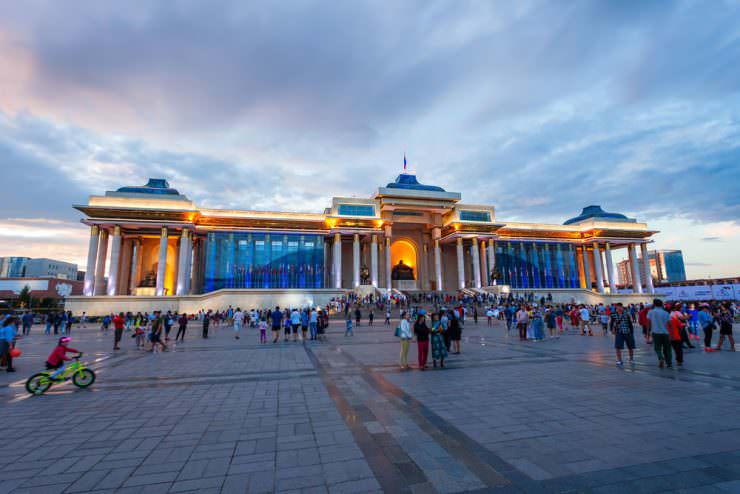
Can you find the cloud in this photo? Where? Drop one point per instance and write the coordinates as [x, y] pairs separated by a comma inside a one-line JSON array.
[[711, 239], [536, 107]]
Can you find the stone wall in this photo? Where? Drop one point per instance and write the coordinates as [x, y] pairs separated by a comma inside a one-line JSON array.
[[580, 296], [220, 299]]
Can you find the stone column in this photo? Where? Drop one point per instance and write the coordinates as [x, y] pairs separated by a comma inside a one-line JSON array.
[[326, 282], [189, 264], [649, 288], [388, 274], [586, 268], [162, 263], [636, 278], [115, 258], [484, 273], [599, 269], [491, 260], [100, 264], [438, 264], [610, 268], [92, 254], [460, 264], [374, 261], [135, 266], [337, 260], [356, 261], [476, 263], [181, 260]]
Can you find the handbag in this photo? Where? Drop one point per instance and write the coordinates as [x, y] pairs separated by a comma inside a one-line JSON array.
[[397, 333]]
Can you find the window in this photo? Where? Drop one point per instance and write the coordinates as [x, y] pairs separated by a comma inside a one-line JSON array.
[[475, 216], [356, 210]]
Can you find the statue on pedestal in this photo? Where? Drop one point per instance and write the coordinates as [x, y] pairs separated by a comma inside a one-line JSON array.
[[402, 272]]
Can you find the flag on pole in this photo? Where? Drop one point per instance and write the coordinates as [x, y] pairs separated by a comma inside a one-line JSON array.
[[404, 161]]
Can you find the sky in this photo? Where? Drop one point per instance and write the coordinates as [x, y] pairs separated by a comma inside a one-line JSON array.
[[539, 108]]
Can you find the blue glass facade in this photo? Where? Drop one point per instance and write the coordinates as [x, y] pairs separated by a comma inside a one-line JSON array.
[[259, 260], [536, 264]]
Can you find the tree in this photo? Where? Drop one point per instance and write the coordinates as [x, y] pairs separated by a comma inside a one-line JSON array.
[[24, 297]]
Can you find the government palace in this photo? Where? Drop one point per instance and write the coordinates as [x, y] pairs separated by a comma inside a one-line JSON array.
[[153, 248]]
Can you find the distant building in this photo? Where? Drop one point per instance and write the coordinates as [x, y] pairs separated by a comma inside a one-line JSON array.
[[624, 273], [13, 267], [54, 288], [666, 266], [26, 267]]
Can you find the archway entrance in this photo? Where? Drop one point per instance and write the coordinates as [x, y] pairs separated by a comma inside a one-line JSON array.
[[404, 264]]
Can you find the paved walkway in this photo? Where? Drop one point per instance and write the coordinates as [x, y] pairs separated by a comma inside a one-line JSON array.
[[226, 415]]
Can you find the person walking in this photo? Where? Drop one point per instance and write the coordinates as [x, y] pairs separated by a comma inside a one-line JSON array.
[[8, 335], [624, 333], [387, 316], [182, 324], [707, 323], [405, 335], [313, 324], [348, 328], [675, 325], [584, 315], [522, 320], [370, 318], [238, 318], [421, 330], [725, 328], [659, 318], [119, 322], [27, 322], [276, 319], [206, 323], [439, 352]]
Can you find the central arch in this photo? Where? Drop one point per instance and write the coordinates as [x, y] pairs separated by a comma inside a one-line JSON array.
[[405, 250]]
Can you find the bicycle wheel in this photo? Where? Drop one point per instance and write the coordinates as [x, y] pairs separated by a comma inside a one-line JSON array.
[[38, 383], [83, 378]]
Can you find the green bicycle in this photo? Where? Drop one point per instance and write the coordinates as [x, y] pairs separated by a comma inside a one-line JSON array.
[[82, 377]]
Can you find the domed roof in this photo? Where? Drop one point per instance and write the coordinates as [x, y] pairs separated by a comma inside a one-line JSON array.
[[153, 186], [408, 181], [595, 212]]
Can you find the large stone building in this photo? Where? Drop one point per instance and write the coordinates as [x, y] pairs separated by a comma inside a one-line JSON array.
[[164, 251]]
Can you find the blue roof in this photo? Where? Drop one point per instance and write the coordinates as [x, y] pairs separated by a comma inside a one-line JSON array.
[[153, 186], [409, 182], [592, 212]]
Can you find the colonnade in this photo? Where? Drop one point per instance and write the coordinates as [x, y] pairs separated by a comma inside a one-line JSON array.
[[607, 276], [126, 255], [124, 266]]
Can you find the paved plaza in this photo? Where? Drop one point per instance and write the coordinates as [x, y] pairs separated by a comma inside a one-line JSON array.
[[226, 415]]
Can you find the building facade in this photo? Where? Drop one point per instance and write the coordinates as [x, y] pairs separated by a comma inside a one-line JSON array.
[[666, 266], [50, 268], [26, 267], [13, 267], [407, 236]]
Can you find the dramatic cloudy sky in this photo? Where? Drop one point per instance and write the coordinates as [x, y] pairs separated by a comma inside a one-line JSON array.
[[540, 108]]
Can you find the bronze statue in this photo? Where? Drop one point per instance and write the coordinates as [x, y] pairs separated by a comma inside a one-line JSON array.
[[402, 272], [364, 275]]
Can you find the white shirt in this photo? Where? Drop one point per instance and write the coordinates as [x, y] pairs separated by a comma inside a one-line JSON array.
[[405, 330], [585, 315], [238, 316]]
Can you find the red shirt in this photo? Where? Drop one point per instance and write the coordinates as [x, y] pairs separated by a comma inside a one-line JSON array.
[[118, 322], [58, 355]]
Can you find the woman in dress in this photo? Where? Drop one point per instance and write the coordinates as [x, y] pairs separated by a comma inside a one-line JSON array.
[[439, 351], [455, 333], [405, 334]]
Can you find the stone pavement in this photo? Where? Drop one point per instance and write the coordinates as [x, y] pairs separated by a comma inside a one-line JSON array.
[[222, 415]]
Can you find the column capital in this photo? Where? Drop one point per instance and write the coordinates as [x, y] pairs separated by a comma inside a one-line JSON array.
[[94, 230], [163, 231], [117, 230]]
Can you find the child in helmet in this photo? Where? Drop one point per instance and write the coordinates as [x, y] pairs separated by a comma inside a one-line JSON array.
[[58, 358]]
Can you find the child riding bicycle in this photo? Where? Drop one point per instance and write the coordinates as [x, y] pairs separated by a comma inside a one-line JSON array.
[[58, 358]]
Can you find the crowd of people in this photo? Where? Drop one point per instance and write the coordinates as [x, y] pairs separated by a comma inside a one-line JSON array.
[[434, 321]]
